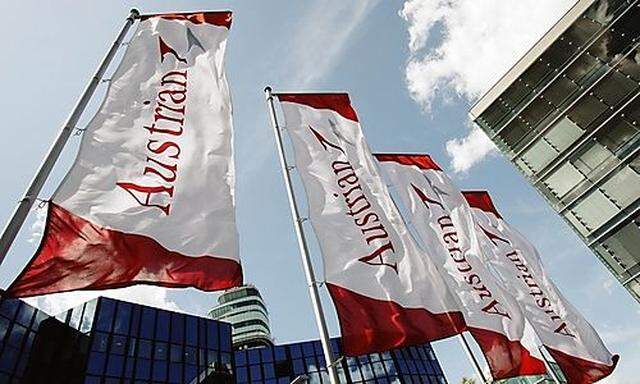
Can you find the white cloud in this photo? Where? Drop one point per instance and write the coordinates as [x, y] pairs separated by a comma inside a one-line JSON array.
[[322, 36], [469, 150], [140, 294], [37, 227], [460, 48]]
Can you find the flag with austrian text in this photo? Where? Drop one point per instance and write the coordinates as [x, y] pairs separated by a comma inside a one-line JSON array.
[[149, 198]]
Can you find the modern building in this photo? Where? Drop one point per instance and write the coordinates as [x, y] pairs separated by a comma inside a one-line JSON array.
[[282, 364], [245, 309], [111, 341], [568, 116], [107, 341]]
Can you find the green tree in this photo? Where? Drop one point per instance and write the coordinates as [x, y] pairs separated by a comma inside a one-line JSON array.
[[466, 380]]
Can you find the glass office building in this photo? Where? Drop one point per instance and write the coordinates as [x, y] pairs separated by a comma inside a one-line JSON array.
[[110, 341], [282, 364], [567, 115], [107, 341], [245, 309]]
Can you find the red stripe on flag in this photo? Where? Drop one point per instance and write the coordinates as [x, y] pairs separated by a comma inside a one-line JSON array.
[[370, 325], [78, 255], [581, 371], [482, 201], [420, 161], [222, 19], [337, 102], [506, 358]]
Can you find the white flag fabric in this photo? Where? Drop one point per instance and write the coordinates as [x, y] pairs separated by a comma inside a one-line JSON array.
[[149, 198], [568, 337], [443, 222], [386, 292]]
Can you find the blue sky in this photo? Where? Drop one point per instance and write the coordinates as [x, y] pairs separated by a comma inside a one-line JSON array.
[[50, 50]]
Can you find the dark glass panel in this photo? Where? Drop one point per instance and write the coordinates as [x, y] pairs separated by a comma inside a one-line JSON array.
[[159, 370], [175, 373], [255, 372], [614, 88], [177, 327], [162, 326], [123, 318], [115, 365], [192, 330], [212, 335], [176, 353], [225, 337], [100, 342], [4, 327], [585, 111], [25, 314], [144, 349], [105, 315], [143, 369], [17, 335], [95, 364], [9, 307], [118, 344], [9, 359], [147, 323], [160, 351]]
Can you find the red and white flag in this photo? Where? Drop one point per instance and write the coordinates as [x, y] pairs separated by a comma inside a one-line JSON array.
[[444, 224], [568, 337], [149, 198], [386, 292]]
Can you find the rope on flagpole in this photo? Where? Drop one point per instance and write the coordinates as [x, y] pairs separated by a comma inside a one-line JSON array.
[[302, 245], [21, 211]]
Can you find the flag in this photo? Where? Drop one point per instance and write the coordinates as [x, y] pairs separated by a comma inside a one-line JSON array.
[[568, 337], [149, 198], [444, 225], [386, 292]]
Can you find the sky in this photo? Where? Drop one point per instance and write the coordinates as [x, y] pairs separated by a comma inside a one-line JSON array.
[[413, 70]]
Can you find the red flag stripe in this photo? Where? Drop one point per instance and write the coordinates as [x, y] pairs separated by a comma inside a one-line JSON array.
[[337, 102], [506, 358], [420, 161], [76, 254], [370, 325], [581, 371], [222, 18], [482, 201]]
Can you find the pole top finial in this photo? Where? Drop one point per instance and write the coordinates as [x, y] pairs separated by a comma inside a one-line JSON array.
[[134, 13]]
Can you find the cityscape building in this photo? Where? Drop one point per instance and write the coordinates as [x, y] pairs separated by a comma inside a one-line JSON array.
[[567, 116], [111, 341], [245, 309]]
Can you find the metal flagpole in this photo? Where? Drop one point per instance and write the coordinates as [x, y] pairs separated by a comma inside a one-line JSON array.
[[547, 364], [24, 205], [302, 245], [472, 357]]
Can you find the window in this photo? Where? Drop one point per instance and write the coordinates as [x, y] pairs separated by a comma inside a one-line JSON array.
[[25, 314], [122, 319], [622, 249], [105, 315], [147, 324], [177, 327], [594, 210]]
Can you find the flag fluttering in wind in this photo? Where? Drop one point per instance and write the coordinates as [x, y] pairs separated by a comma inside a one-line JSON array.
[[387, 293], [444, 225], [569, 338], [149, 198]]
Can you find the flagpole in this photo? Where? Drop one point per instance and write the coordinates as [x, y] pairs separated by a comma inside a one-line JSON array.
[[21, 212], [547, 364], [302, 245], [472, 357]]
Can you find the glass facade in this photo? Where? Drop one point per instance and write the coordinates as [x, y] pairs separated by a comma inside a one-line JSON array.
[[570, 123], [245, 309], [108, 341], [282, 364]]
